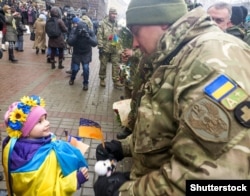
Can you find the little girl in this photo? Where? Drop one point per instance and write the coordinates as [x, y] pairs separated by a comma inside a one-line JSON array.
[[34, 162]]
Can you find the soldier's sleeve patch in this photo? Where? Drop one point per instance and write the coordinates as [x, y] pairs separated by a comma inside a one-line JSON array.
[[242, 113], [208, 120], [234, 98], [220, 87]]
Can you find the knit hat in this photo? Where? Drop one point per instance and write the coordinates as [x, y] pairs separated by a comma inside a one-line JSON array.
[[237, 15], [244, 11], [112, 10], [22, 116], [75, 20], [42, 16], [148, 12]]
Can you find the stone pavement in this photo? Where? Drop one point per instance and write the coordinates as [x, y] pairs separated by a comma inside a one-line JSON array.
[[65, 104]]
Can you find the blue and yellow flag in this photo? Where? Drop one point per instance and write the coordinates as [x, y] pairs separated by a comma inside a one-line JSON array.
[[220, 87], [90, 129]]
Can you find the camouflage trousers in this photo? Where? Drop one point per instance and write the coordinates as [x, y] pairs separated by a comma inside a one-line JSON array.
[[114, 59]]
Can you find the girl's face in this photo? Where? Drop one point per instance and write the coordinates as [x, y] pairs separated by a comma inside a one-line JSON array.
[[41, 129]]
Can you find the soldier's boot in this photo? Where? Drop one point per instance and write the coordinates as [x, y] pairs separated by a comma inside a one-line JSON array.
[[118, 84], [102, 83], [124, 133], [60, 66]]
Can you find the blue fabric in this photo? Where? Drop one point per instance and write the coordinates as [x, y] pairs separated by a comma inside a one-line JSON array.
[[69, 158], [76, 67]]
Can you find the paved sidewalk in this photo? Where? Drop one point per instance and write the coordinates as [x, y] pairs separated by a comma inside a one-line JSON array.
[[65, 104]]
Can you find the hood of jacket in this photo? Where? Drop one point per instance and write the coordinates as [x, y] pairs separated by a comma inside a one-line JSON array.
[[56, 12], [188, 27]]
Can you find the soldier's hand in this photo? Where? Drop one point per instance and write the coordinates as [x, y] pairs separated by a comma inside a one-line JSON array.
[[112, 150]]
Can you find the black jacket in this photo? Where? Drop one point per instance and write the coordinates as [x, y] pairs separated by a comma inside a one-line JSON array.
[[2, 19], [82, 40]]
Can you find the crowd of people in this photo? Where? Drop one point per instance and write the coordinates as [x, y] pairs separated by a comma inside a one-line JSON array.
[[189, 94]]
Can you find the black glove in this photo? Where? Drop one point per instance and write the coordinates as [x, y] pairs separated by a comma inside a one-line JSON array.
[[112, 150], [109, 186], [1, 54], [100, 51]]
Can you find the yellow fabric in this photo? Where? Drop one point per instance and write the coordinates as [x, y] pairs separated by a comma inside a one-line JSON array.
[[41, 182], [90, 132]]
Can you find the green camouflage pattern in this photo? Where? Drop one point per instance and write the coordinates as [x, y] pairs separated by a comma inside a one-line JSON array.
[[237, 31], [142, 74], [169, 144], [111, 48], [88, 21], [128, 72]]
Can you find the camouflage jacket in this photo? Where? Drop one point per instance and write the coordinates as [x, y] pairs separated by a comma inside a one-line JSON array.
[[237, 31], [106, 36], [88, 21], [189, 126]]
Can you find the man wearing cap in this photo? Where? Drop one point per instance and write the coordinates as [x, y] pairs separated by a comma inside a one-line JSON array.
[[193, 119], [108, 45], [236, 25]]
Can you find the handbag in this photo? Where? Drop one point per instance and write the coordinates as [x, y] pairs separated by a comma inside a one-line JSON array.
[[32, 36]]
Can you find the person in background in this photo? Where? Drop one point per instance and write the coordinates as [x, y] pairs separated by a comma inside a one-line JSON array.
[[82, 39], [74, 22], [40, 38], [20, 27], [57, 43], [221, 13], [34, 161], [108, 45], [11, 32], [31, 14], [132, 88], [189, 125], [2, 28], [86, 19], [236, 24]]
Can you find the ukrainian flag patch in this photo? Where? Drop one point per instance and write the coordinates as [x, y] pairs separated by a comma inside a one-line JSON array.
[[220, 87]]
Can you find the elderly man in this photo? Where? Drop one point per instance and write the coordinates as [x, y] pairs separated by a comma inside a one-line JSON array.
[[221, 13], [193, 119]]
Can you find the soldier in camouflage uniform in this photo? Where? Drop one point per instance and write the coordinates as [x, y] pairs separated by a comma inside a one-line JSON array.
[[86, 19], [131, 59], [141, 70], [108, 45], [193, 121]]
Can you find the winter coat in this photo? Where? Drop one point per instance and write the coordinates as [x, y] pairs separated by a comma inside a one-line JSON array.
[[82, 45], [11, 32], [40, 34], [2, 20], [106, 34], [59, 41]]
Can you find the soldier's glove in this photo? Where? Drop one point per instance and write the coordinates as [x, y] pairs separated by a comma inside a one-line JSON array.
[[109, 186], [112, 150], [100, 51]]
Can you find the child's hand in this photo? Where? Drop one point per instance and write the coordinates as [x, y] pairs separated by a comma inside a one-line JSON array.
[[84, 171]]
